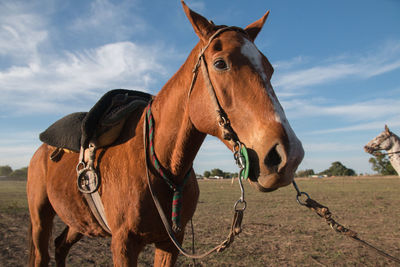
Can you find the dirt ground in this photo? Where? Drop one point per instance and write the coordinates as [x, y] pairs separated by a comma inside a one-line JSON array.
[[276, 231]]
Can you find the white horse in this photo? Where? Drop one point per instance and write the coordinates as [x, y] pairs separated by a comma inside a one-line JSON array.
[[390, 142]]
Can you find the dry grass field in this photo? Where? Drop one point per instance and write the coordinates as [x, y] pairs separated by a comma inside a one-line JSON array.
[[276, 230]]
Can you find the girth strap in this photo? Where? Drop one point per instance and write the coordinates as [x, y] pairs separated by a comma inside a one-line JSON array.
[[88, 183], [97, 208]]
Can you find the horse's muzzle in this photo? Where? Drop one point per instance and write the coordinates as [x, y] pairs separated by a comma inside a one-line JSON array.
[[279, 168], [369, 149]]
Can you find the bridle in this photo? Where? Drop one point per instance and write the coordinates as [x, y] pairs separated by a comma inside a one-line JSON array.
[[238, 148], [374, 151], [239, 152], [222, 118]]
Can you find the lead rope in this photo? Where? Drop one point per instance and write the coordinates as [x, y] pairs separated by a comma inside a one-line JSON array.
[[324, 212]]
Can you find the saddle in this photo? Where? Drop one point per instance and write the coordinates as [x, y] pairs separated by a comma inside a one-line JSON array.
[[100, 126]]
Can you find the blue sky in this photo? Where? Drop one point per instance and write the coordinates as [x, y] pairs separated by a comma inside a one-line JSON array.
[[337, 66]]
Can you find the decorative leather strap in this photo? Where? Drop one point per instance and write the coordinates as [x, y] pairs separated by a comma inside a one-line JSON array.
[[235, 227]]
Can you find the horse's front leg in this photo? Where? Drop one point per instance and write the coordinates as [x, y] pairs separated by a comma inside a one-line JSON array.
[[166, 253], [125, 248]]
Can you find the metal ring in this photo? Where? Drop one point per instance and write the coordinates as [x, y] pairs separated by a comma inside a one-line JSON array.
[[87, 181], [80, 164], [222, 121], [237, 146], [236, 155], [299, 201], [240, 209]]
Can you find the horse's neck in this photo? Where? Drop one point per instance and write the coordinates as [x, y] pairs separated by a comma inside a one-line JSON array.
[[394, 154], [176, 141]]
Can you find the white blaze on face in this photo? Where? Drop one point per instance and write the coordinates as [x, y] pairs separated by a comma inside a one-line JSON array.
[[250, 51]]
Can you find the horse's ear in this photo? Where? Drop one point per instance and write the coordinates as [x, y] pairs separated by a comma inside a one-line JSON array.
[[387, 129], [254, 28], [201, 25]]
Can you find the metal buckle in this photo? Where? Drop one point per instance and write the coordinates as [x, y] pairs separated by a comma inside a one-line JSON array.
[[88, 181], [237, 207]]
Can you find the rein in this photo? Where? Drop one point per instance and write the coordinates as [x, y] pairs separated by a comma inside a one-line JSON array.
[[385, 153], [240, 156], [324, 212]]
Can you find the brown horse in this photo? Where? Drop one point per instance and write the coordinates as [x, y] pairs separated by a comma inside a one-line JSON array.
[[240, 75]]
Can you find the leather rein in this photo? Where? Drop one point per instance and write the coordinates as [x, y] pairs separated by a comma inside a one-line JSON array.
[[239, 150]]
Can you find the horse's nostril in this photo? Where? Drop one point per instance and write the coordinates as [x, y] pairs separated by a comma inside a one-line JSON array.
[[368, 149], [273, 158]]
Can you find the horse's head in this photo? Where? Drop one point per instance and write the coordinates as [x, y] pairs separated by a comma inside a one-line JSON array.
[[382, 142], [240, 74]]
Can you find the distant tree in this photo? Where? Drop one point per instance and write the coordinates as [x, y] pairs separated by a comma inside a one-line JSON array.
[[217, 172], [21, 173], [206, 174], [381, 164], [305, 173], [338, 169], [5, 170]]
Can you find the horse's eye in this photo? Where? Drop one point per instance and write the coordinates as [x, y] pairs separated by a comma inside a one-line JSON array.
[[220, 64]]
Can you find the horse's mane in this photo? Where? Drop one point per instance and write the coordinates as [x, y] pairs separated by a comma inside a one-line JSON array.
[[395, 136]]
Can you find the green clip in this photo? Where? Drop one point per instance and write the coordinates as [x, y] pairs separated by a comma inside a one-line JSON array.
[[243, 152]]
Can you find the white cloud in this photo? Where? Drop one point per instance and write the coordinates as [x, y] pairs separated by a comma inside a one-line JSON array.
[[392, 121], [384, 59], [107, 19], [79, 76], [315, 75], [124, 63], [61, 82], [367, 110], [21, 32], [329, 146], [288, 64]]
